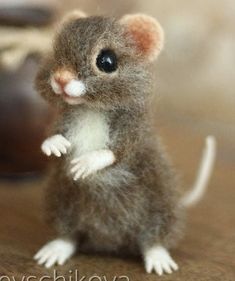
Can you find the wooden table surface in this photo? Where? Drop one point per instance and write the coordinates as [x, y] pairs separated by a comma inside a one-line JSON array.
[[207, 251]]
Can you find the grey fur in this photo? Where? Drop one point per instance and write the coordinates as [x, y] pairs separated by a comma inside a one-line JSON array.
[[133, 204]]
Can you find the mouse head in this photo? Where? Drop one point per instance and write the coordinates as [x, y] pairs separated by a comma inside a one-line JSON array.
[[102, 61]]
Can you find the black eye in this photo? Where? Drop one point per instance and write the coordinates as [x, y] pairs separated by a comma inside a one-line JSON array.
[[107, 61]]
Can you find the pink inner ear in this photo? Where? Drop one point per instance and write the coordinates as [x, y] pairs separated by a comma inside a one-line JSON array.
[[146, 33], [145, 41]]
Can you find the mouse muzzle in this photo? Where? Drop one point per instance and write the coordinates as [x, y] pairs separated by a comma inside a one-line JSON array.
[[65, 83]]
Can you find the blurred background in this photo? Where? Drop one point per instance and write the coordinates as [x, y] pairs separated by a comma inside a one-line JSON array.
[[195, 74]]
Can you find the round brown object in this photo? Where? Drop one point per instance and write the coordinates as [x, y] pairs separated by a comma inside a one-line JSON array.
[[23, 120]]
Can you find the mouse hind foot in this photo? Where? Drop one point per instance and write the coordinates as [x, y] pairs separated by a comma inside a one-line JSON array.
[[158, 259], [57, 251]]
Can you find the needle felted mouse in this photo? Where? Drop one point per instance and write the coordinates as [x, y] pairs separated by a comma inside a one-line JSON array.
[[111, 188]]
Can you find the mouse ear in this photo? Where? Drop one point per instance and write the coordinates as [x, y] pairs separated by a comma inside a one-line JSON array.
[[147, 34], [73, 15]]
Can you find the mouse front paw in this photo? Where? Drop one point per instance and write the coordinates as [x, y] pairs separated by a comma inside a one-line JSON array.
[[55, 145], [91, 162], [159, 260]]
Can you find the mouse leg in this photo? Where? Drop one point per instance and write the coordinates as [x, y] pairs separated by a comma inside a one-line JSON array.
[[57, 251], [158, 259], [62, 214]]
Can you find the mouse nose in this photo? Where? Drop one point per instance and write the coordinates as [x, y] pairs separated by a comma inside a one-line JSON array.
[[63, 77], [65, 82], [61, 82]]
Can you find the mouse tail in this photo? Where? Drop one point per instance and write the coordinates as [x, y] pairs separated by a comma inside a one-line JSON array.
[[204, 173]]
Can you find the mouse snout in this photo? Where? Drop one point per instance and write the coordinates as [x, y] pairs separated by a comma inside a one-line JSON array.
[[63, 77], [65, 82]]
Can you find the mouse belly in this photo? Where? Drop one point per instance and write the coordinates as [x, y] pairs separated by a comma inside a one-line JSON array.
[[110, 211], [108, 230], [97, 240]]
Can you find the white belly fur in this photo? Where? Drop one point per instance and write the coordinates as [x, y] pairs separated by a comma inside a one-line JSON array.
[[87, 132]]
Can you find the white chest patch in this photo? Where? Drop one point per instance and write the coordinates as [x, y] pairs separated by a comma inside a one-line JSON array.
[[88, 131]]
